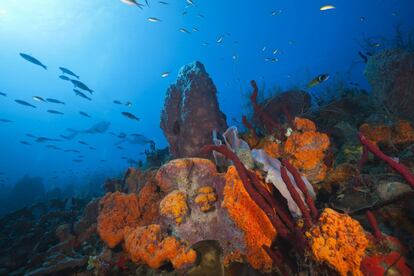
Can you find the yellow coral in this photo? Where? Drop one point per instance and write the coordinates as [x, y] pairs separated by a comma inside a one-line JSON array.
[[206, 198], [338, 240], [174, 206], [148, 245], [254, 223]]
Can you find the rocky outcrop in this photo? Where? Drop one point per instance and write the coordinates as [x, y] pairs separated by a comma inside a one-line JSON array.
[[191, 112], [391, 75]]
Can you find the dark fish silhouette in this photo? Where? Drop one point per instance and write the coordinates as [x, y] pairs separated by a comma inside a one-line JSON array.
[[84, 114], [24, 103], [32, 60], [77, 161], [30, 135], [5, 120], [364, 57], [117, 102], [81, 85], [92, 148], [55, 112], [63, 77], [130, 116], [83, 143], [51, 100], [45, 139], [98, 128], [68, 72], [136, 139], [3, 94], [25, 143], [80, 94], [119, 147]]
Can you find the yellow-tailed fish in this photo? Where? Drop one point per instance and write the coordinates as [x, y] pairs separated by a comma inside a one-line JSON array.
[[318, 80]]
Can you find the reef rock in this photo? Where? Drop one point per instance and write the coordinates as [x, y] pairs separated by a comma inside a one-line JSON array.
[[391, 75], [191, 112]]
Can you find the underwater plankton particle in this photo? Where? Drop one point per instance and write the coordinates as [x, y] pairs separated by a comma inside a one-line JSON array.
[[327, 7]]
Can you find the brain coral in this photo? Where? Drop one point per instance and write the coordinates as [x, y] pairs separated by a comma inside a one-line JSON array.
[[147, 244], [338, 240]]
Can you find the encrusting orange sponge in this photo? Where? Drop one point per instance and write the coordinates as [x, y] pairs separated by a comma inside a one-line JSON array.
[[117, 210], [340, 241], [206, 198], [174, 205], [247, 216], [148, 245]]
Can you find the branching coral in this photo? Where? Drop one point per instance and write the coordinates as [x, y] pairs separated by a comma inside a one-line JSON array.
[[148, 245], [338, 240]]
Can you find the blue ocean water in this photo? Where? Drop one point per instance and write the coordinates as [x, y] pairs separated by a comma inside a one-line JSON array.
[[121, 55]]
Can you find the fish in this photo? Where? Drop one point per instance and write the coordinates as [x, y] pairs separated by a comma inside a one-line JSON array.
[[128, 103], [83, 143], [68, 72], [55, 112], [276, 12], [135, 139], [190, 2], [119, 147], [220, 39], [45, 139], [163, 2], [51, 100], [264, 48], [77, 161], [33, 60], [130, 116], [3, 94], [318, 80], [165, 74], [195, 29], [25, 143], [84, 114], [81, 85], [5, 120], [38, 98], [92, 148], [117, 102], [30, 135], [24, 103], [63, 77], [327, 7], [98, 128], [132, 3], [82, 95], [275, 51], [201, 15], [154, 19], [204, 44], [364, 57], [184, 31]]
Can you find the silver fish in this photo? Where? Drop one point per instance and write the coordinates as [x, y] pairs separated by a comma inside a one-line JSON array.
[[33, 60], [24, 103], [68, 72]]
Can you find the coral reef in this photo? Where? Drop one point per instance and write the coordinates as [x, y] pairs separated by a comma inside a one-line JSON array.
[[190, 103], [338, 240], [174, 206]]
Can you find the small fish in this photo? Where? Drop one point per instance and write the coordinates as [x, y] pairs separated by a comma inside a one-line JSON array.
[[130, 116], [25, 143], [81, 85], [92, 148], [77, 161], [190, 2], [80, 94], [362, 19], [184, 13], [154, 19], [51, 100], [68, 72], [163, 3], [55, 112], [264, 48], [33, 60], [117, 102], [83, 143], [30, 135], [24, 103], [272, 59], [275, 51], [132, 3], [195, 29], [119, 147], [63, 77], [184, 31], [3, 94], [128, 103], [201, 15], [5, 120], [84, 114], [204, 44], [38, 98], [220, 39], [165, 74], [318, 80], [276, 13], [327, 7]]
